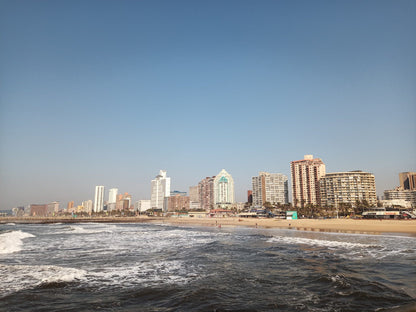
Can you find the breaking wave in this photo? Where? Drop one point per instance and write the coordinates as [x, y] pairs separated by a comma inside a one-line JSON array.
[[12, 241], [317, 242], [18, 277]]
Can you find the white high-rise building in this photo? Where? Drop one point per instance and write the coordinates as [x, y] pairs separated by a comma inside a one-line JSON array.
[[99, 198], [87, 205], [112, 195], [223, 189], [160, 191], [270, 187]]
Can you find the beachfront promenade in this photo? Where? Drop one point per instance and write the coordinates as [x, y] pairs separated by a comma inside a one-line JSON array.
[[326, 225]]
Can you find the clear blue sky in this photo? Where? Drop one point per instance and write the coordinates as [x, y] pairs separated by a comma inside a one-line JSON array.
[[109, 92]]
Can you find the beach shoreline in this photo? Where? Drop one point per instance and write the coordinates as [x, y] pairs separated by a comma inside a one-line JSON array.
[[362, 226]]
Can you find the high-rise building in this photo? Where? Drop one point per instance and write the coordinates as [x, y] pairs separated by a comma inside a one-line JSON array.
[[160, 191], [70, 205], [408, 180], [250, 196], [112, 195], [305, 175], [87, 205], [99, 198], [348, 188], [194, 203], [112, 199], [223, 189], [193, 193], [206, 193], [270, 187]]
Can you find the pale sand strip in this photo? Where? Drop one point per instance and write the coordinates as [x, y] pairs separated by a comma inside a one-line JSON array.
[[329, 225]]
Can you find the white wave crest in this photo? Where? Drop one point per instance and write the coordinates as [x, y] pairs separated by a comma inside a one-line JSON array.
[[18, 277], [12, 241], [316, 242], [144, 273], [78, 229]]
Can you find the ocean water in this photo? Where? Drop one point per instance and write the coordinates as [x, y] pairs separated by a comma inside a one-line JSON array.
[[148, 267]]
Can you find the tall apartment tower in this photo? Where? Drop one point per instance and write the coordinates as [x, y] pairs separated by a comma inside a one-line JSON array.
[[206, 193], [99, 198], [112, 199], [305, 175], [160, 191], [223, 189], [270, 187], [408, 180], [347, 188]]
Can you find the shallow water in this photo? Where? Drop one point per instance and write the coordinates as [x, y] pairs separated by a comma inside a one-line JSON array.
[[147, 267]]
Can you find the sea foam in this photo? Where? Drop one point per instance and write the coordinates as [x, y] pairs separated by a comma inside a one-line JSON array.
[[12, 241], [18, 277], [316, 242]]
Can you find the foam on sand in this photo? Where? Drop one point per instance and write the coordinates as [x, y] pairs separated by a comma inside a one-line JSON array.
[[12, 241]]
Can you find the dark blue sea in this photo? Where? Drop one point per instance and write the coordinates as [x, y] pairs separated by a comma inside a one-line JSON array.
[[148, 267]]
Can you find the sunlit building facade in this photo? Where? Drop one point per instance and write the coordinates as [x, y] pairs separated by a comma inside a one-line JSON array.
[[160, 191], [270, 187], [348, 188], [223, 189], [305, 175], [99, 199]]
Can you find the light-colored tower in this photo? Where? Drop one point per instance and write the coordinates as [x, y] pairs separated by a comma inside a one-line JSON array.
[[348, 188], [223, 189], [112, 195], [270, 187], [305, 175], [99, 198], [160, 191]]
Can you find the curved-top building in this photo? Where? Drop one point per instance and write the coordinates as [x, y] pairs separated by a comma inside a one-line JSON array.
[[223, 189]]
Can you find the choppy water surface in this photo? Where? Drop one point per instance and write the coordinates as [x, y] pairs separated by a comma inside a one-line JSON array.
[[144, 267]]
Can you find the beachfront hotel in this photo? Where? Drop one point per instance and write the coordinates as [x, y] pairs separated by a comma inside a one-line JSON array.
[[305, 175], [348, 188], [160, 191], [223, 189], [99, 198], [270, 187]]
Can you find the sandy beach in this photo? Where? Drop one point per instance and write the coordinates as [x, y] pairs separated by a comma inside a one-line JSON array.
[[323, 225]]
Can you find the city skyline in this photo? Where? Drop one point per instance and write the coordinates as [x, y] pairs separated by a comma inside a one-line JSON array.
[[196, 87]]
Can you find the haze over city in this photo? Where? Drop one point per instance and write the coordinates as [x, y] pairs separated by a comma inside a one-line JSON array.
[[110, 92]]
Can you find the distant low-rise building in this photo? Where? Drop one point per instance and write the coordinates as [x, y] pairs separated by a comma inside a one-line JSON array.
[[37, 210], [401, 194], [178, 201], [142, 205]]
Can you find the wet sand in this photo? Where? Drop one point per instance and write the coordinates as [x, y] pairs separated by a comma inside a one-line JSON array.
[[324, 225]]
